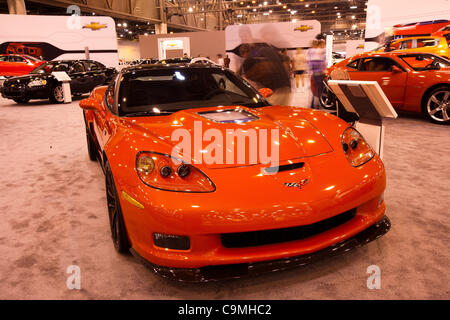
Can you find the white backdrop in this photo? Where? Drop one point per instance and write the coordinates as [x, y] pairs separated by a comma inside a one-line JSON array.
[[67, 33]]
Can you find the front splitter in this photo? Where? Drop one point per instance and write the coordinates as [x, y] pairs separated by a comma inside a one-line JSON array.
[[236, 271]]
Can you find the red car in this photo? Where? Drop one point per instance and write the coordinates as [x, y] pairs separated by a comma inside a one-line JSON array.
[[417, 82], [17, 64]]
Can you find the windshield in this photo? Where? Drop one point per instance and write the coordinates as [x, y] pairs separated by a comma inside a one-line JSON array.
[[49, 67], [422, 62], [164, 91]]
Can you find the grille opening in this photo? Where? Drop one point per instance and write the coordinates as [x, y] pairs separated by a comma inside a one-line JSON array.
[[273, 236], [285, 167]]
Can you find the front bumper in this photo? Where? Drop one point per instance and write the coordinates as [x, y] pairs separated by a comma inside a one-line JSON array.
[[23, 91], [234, 271]]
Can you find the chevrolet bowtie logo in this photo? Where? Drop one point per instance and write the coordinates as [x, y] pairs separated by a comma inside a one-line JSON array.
[[94, 26], [299, 184], [303, 28]]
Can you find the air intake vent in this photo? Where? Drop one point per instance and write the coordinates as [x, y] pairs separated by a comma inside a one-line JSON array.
[[285, 167], [259, 238]]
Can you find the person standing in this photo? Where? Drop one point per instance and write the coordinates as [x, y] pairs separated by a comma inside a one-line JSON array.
[[226, 62], [299, 64], [317, 64], [220, 60]]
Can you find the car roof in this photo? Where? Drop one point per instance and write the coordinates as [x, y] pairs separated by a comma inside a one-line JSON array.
[[161, 66], [418, 37]]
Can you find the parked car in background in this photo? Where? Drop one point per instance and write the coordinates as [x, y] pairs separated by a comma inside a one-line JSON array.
[[41, 84], [17, 64], [432, 44], [418, 82]]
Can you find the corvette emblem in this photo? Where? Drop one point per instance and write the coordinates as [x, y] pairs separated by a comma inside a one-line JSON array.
[[299, 184]]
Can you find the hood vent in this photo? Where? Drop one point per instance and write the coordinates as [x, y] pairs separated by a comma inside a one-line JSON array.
[[228, 116]]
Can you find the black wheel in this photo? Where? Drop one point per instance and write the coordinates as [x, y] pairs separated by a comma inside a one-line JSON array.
[[436, 105], [327, 99], [56, 94], [118, 230], [92, 149], [21, 100]]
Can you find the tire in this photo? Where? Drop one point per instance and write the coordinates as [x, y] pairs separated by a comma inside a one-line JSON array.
[[327, 99], [436, 105], [21, 100], [56, 94], [118, 231], [92, 149]]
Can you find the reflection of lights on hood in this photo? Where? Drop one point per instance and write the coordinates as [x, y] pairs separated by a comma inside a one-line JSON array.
[[156, 110], [179, 76]]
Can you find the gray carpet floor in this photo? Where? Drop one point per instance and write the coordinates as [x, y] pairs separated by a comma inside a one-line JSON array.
[[53, 211]]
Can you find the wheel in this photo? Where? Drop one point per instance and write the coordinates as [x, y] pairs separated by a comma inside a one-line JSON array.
[[327, 99], [92, 149], [21, 100], [56, 94], [118, 230], [437, 105]]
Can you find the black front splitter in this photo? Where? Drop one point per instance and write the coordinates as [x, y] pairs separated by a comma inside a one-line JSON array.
[[235, 271]]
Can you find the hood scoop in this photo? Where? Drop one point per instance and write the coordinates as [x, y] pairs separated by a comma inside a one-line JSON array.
[[228, 116]]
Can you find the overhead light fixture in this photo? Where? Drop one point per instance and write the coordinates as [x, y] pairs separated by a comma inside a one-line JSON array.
[[124, 24], [313, 11], [353, 17], [353, 7], [294, 20], [190, 9], [307, 5]]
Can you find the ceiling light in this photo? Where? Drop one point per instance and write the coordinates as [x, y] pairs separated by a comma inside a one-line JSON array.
[[353, 7], [190, 9], [306, 5], [124, 24], [254, 10], [353, 17], [354, 26], [313, 11], [265, 3], [294, 20]]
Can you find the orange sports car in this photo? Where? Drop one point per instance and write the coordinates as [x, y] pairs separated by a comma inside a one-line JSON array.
[[417, 82], [193, 192]]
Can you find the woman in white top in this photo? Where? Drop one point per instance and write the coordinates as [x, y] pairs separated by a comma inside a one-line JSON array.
[[299, 64]]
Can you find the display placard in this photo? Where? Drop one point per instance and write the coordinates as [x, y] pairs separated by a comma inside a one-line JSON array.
[[368, 101], [61, 76]]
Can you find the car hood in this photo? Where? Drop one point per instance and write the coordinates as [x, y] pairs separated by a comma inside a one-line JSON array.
[[26, 78], [295, 136]]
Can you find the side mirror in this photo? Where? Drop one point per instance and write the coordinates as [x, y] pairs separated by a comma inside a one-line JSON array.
[[266, 92], [90, 104], [396, 69]]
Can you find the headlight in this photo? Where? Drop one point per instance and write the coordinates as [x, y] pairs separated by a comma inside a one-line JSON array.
[[355, 147], [37, 82], [163, 172]]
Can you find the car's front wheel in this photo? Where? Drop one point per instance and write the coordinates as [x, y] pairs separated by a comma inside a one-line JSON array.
[[437, 105], [327, 99], [117, 225], [57, 94], [21, 100], [92, 149]]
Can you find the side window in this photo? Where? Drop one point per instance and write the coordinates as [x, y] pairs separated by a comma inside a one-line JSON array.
[[77, 67], [353, 64], [93, 66], [3, 58], [16, 59], [407, 44], [223, 83], [376, 64], [61, 67], [426, 42], [110, 95]]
